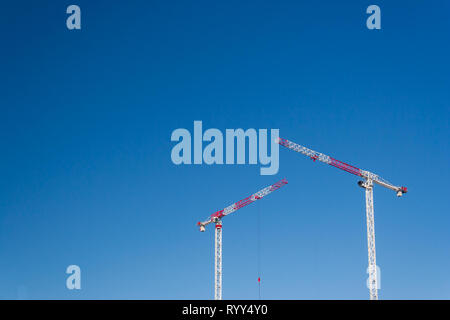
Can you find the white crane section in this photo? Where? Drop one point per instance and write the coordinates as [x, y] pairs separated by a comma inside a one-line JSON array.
[[367, 184]]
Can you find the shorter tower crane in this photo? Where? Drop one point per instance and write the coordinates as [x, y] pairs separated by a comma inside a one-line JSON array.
[[217, 219]]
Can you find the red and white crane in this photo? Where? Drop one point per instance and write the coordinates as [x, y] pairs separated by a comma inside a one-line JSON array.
[[367, 183], [217, 219]]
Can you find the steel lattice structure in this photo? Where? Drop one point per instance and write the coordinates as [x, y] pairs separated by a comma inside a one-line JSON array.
[[218, 261], [217, 219], [367, 184]]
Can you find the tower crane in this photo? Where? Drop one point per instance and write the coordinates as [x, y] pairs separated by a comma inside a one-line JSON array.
[[369, 179], [217, 219]]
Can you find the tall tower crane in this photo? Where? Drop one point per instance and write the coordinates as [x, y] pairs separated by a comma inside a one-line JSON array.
[[369, 179], [217, 219]]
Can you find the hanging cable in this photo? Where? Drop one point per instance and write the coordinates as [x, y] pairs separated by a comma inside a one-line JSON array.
[[258, 246]]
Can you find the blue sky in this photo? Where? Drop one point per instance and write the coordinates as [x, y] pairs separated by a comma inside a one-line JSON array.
[[86, 173]]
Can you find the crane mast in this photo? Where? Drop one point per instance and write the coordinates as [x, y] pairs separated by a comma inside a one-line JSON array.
[[369, 179], [217, 219], [218, 261]]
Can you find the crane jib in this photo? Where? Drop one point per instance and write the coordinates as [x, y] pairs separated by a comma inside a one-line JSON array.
[[242, 203], [341, 165]]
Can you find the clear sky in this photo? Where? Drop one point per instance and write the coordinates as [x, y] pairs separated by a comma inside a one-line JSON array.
[[86, 176]]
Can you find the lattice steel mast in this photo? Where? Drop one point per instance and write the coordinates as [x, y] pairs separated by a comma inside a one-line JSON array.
[[367, 184], [217, 219]]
